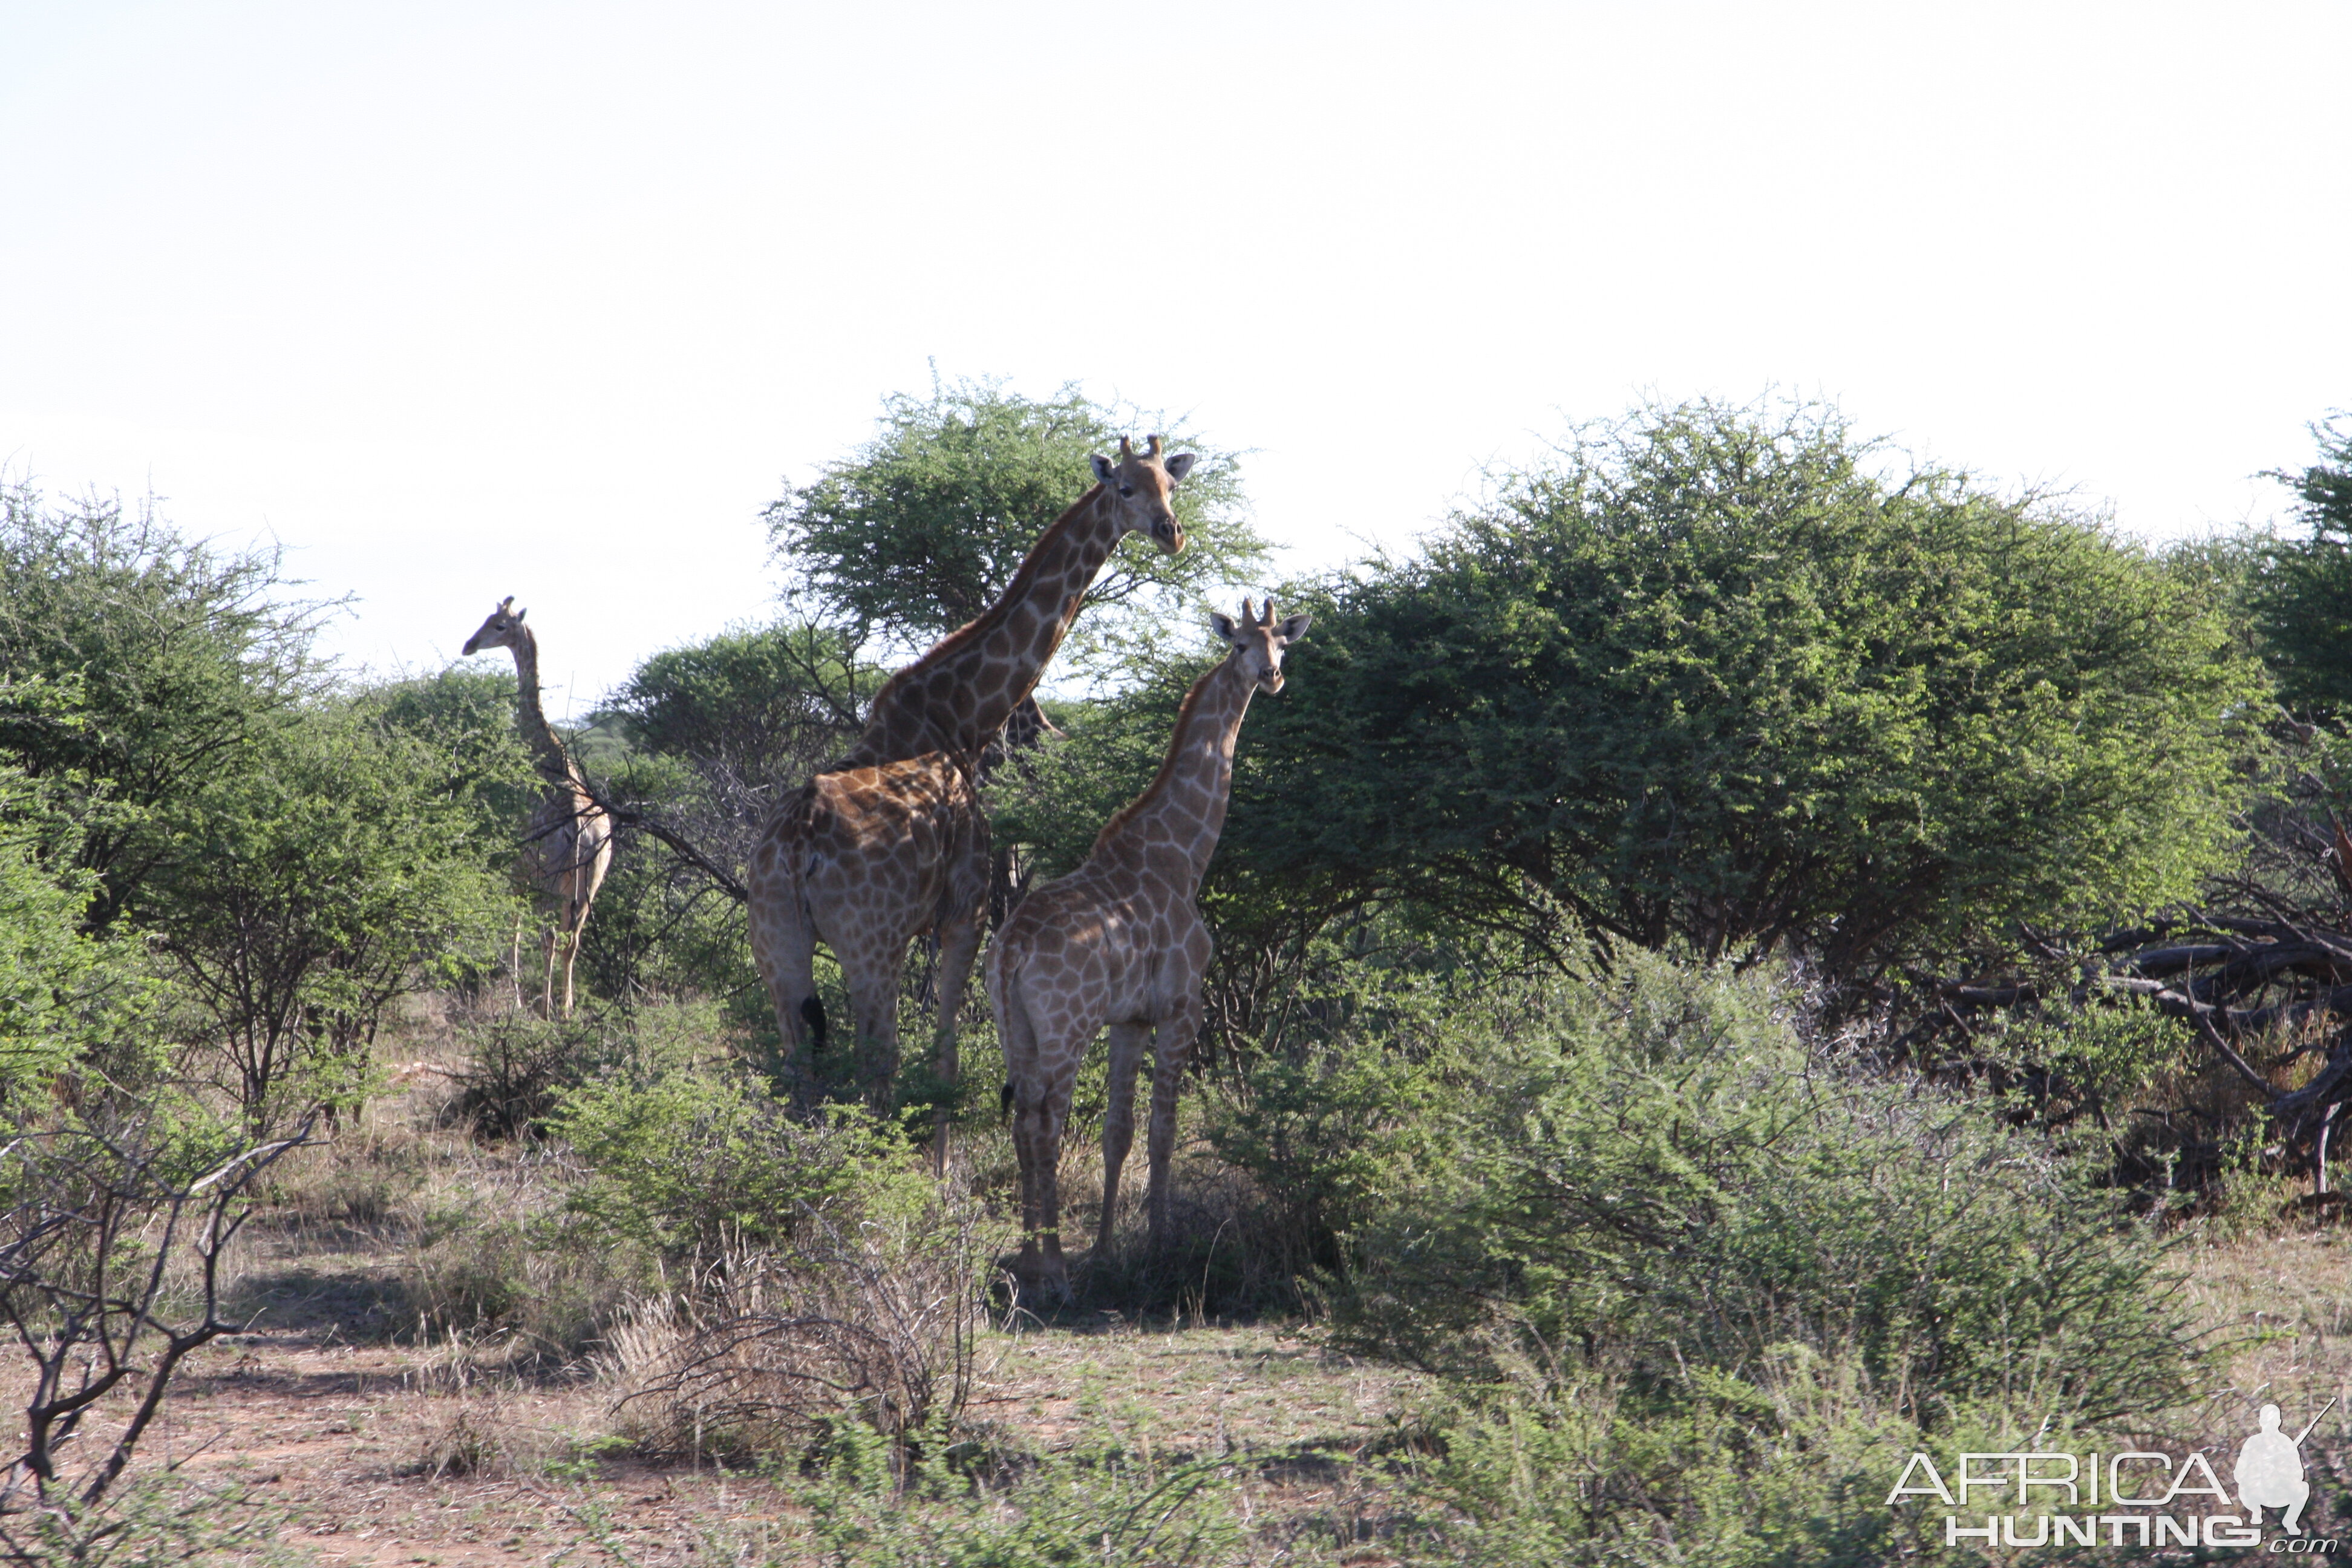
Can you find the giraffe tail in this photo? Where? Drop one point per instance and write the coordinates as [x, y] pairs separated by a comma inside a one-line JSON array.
[[812, 1014]]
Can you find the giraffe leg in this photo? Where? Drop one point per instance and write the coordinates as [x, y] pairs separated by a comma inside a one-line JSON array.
[[514, 964], [872, 980], [1037, 1127], [1039, 1073], [1023, 1089], [578, 913], [958, 945], [784, 944], [1171, 1053], [552, 939], [1127, 1045]]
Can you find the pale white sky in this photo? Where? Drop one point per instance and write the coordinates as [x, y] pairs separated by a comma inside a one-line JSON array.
[[462, 301]]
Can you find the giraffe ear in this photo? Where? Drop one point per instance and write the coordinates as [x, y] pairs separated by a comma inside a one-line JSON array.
[[1180, 465], [1293, 627], [1103, 467], [1222, 625], [520, 614]]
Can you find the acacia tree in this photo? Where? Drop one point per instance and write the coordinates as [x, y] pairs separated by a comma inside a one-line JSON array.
[[334, 872], [177, 657], [917, 532], [1712, 677], [2303, 594], [713, 735]]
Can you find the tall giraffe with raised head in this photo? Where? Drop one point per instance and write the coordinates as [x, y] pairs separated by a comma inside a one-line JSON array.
[[1118, 942], [567, 844], [891, 841]]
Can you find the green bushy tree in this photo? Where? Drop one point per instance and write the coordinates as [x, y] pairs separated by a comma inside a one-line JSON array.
[[2303, 595], [918, 530], [707, 737], [1712, 678], [179, 654], [331, 872], [65, 994], [461, 722]]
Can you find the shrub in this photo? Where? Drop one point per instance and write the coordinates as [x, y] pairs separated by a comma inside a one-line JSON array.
[[1788, 1471], [1108, 1508], [697, 1163], [113, 1229], [515, 1067], [817, 1271], [1658, 1185], [864, 1313]]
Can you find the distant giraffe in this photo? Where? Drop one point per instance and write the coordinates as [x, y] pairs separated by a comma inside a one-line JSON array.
[[567, 845], [1118, 943], [891, 841]]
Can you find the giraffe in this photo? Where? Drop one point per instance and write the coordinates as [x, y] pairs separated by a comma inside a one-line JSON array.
[[1118, 943], [958, 696], [891, 840], [567, 846]]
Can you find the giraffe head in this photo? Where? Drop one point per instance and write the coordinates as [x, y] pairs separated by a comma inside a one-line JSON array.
[[1257, 641], [1141, 488], [503, 629]]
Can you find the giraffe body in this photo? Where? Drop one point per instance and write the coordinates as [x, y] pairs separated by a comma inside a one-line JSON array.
[[862, 857], [1119, 945], [865, 860], [567, 845]]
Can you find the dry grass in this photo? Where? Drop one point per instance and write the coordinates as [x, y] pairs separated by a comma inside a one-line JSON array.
[[495, 1438]]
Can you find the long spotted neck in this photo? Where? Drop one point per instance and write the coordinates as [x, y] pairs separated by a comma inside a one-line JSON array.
[[1178, 820], [548, 755], [957, 696]]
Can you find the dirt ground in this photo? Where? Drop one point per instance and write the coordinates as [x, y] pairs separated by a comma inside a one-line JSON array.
[[391, 1453], [382, 1449]]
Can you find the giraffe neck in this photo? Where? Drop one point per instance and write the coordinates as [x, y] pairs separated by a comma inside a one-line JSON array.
[[957, 696], [1180, 817], [553, 763]]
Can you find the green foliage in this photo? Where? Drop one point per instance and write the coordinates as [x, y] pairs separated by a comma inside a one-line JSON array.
[[152, 1521], [693, 1162], [753, 699], [2304, 596], [868, 1510], [1657, 1184], [1788, 1471], [714, 734], [463, 722], [178, 658], [917, 532], [64, 995], [1708, 677], [329, 872], [513, 1066]]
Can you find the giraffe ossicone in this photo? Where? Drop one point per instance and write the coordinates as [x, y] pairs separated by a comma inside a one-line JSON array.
[[1119, 945]]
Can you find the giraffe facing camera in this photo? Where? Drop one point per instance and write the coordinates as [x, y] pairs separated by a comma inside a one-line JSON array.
[[1119, 944]]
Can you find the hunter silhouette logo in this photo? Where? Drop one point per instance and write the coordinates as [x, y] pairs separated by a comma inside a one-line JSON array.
[[2270, 1470]]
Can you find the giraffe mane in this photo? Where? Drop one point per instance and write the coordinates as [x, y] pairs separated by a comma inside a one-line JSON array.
[[989, 619], [1127, 812]]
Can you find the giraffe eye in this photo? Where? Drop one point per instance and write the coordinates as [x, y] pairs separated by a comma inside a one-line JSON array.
[[1126, 490]]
